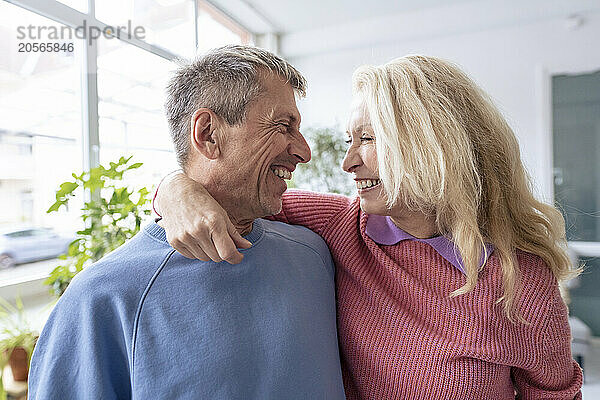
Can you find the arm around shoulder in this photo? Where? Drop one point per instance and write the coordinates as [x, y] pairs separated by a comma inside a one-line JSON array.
[[311, 209]]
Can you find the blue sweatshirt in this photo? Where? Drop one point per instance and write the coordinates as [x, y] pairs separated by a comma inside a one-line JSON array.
[[147, 323]]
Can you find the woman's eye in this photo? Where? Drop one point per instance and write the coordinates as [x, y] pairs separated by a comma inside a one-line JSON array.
[[348, 141], [366, 139]]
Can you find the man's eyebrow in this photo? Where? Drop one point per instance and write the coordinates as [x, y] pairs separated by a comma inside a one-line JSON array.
[[291, 117]]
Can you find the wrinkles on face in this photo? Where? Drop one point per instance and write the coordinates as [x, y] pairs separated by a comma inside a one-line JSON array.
[[360, 138], [266, 144], [266, 131], [267, 138]]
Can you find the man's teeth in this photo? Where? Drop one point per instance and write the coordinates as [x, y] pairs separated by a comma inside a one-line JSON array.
[[367, 183], [282, 173]]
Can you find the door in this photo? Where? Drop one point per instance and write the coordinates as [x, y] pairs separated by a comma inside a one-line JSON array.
[[576, 153]]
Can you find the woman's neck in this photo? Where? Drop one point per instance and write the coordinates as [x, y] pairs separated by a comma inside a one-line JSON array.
[[416, 224]]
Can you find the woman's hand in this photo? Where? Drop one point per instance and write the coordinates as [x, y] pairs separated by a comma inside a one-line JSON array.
[[195, 224]]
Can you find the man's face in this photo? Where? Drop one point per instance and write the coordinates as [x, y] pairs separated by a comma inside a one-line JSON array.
[[262, 152]]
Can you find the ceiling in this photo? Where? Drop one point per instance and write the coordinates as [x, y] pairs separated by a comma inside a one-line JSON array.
[[292, 16]]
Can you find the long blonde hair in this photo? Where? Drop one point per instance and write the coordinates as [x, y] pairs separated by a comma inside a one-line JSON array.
[[445, 150]]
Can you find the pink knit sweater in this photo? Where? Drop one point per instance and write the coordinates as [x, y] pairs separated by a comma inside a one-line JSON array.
[[403, 337]]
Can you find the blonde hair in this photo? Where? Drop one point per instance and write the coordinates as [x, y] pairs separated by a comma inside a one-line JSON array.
[[445, 150]]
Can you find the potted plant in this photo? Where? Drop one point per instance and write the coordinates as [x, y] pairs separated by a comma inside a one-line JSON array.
[[17, 340], [113, 214], [3, 362], [323, 173]]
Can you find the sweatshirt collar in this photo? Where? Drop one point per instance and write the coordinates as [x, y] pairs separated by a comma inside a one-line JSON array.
[[383, 231], [254, 236]]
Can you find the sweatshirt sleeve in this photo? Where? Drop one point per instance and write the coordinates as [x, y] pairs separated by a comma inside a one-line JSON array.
[[82, 350], [554, 374], [311, 209]]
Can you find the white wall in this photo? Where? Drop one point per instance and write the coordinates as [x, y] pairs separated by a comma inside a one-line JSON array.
[[511, 60]]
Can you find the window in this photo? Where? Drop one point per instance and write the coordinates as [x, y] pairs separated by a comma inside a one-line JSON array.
[[40, 123], [41, 100], [216, 29], [165, 23], [79, 5], [131, 87]]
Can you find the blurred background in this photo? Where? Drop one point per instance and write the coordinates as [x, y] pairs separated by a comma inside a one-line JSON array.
[[65, 112]]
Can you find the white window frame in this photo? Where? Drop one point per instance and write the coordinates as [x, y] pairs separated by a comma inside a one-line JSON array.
[[61, 13]]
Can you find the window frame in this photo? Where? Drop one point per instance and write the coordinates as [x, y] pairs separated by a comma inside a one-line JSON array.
[[64, 14]]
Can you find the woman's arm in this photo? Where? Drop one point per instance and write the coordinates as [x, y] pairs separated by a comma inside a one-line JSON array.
[[553, 374], [198, 227], [311, 209]]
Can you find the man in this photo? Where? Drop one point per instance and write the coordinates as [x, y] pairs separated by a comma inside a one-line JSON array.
[[147, 323]]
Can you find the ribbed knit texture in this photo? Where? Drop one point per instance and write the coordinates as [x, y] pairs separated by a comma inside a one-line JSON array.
[[403, 337]]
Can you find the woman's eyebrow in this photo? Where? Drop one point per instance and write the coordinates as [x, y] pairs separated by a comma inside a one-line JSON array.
[[359, 128]]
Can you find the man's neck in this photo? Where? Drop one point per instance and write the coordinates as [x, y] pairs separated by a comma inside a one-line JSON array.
[[241, 224], [230, 203]]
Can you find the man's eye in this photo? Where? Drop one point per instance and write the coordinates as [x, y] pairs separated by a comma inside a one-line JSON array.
[[283, 126]]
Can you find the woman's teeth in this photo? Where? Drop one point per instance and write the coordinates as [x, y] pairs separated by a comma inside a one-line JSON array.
[[282, 173], [367, 183]]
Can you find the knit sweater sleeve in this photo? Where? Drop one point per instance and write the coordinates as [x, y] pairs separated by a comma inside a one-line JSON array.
[[310, 209], [553, 374]]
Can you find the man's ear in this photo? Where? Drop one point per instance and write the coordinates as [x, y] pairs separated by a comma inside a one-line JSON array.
[[203, 137]]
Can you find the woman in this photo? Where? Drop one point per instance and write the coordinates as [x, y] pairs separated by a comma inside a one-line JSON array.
[[447, 267]]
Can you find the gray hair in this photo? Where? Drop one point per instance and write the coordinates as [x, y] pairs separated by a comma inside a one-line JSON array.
[[225, 80]]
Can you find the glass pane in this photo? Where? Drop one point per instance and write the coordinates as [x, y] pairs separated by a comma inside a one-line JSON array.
[[40, 134], [216, 30], [79, 5], [576, 132], [166, 23], [131, 90]]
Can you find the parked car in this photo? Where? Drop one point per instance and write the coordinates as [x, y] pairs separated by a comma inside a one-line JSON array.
[[30, 244]]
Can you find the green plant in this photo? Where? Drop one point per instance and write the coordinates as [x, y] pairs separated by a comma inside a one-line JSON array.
[[111, 216], [15, 331], [4, 356], [324, 172], [3, 361]]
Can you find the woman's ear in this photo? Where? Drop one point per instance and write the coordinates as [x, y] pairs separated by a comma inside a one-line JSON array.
[[203, 137]]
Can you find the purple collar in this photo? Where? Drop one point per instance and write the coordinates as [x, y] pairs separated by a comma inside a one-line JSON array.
[[383, 231]]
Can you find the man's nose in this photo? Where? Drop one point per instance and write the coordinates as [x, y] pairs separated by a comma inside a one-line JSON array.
[[300, 148]]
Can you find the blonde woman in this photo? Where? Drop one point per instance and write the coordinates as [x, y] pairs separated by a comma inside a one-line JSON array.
[[447, 266]]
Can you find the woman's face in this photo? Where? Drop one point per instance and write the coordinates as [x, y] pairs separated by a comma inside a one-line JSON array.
[[361, 160]]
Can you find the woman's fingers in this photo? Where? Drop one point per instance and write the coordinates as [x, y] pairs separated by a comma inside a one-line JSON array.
[[183, 250], [200, 254], [223, 240], [238, 240], [196, 225]]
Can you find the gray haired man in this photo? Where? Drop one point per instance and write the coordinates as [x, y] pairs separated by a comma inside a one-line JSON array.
[[146, 322]]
